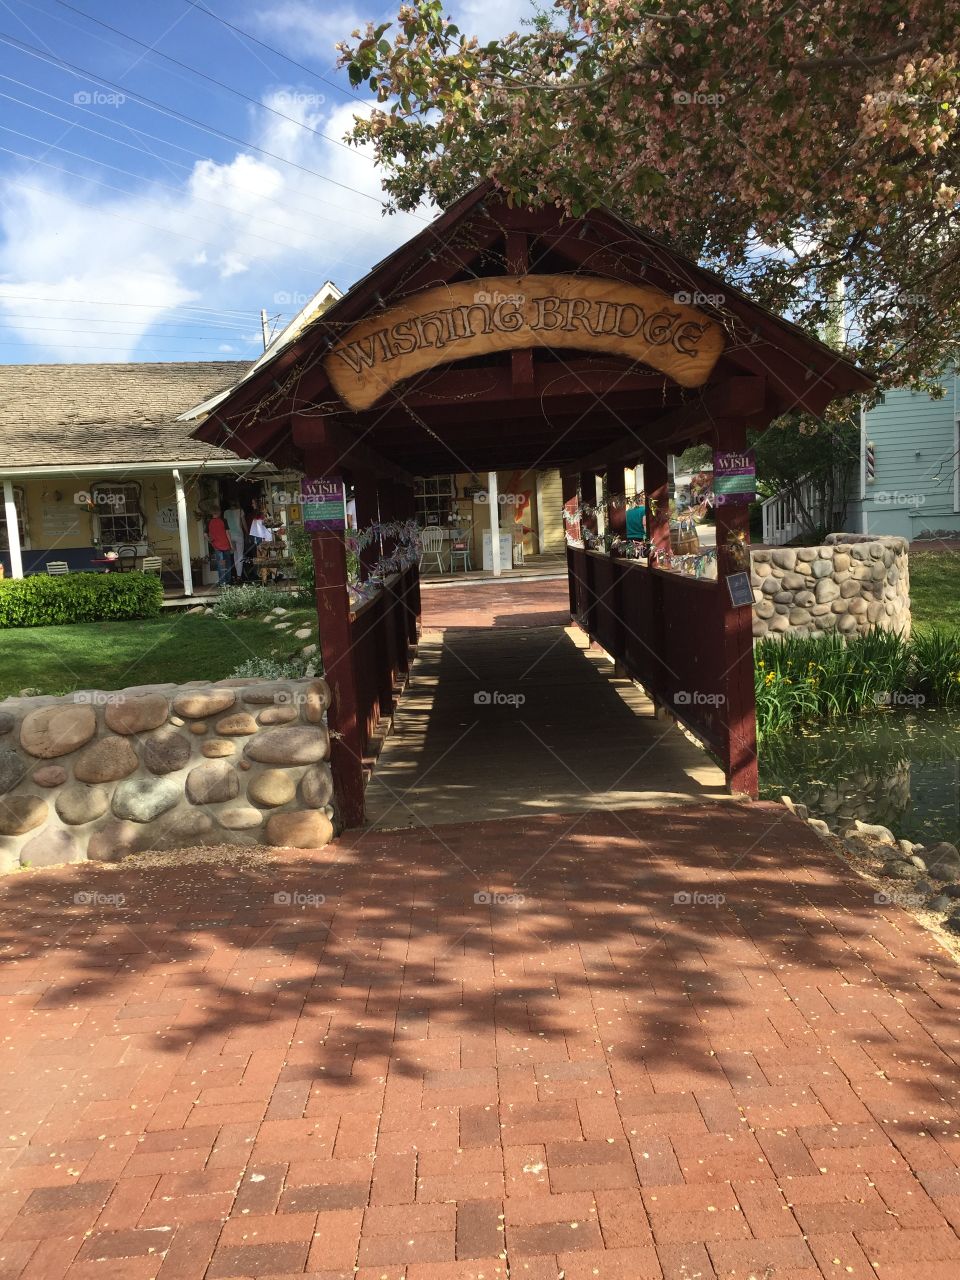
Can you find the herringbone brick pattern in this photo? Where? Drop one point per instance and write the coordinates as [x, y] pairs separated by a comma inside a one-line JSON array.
[[508, 1049]]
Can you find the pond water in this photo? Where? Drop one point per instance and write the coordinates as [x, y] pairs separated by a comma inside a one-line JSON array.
[[899, 769]]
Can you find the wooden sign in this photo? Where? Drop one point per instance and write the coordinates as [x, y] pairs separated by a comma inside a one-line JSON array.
[[507, 313]]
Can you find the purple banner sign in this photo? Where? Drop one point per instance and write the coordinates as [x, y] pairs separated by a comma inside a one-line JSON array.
[[734, 478], [324, 506]]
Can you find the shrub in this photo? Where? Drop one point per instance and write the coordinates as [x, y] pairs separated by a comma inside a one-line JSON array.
[[302, 552], [248, 598], [272, 669], [42, 601]]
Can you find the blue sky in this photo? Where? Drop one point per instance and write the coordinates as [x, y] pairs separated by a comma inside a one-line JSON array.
[[131, 231]]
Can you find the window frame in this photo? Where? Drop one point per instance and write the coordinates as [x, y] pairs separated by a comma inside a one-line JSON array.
[[102, 512], [434, 494]]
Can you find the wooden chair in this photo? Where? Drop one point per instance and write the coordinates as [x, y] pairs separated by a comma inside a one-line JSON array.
[[460, 550], [152, 564], [56, 567], [431, 543]]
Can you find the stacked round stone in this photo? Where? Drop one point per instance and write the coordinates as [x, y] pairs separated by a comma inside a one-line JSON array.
[[100, 775]]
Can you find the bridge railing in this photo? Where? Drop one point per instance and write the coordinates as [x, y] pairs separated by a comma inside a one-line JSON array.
[[682, 640]]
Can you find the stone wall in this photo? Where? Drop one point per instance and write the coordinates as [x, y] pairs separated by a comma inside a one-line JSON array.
[[849, 585], [99, 775]]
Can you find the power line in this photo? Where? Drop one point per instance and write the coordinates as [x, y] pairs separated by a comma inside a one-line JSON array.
[[80, 346], [33, 52], [194, 4], [179, 164], [166, 186], [98, 302], [122, 333], [235, 329], [151, 49]]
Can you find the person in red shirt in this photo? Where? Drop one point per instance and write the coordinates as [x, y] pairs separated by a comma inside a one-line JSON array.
[[220, 546]]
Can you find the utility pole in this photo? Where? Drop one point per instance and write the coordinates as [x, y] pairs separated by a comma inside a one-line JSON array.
[[264, 328]]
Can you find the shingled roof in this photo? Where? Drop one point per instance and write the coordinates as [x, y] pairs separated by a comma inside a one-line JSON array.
[[78, 414]]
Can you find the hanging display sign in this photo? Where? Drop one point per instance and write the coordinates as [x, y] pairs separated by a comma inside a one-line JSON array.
[[741, 592], [734, 478], [509, 313], [323, 504]]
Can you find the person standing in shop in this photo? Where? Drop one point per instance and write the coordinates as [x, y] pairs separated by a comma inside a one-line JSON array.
[[220, 546], [236, 522]]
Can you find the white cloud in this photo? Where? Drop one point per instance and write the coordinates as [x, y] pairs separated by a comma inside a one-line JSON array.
[[247, 231]]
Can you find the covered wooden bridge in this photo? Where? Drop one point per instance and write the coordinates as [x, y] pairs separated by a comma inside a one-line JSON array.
[[516, 338]]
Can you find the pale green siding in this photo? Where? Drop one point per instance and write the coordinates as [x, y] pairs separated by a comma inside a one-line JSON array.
[[914, 438]]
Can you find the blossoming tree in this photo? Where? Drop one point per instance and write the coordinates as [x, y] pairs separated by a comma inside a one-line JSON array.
[[797, 149]]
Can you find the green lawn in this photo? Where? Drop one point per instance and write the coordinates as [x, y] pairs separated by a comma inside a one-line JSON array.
[[112, 655], [935, 588]]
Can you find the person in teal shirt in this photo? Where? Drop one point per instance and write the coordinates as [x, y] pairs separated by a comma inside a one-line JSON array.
[[637, 523]]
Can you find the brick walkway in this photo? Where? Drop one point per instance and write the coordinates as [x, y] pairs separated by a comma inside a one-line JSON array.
[[502, 604], [592, 1079]]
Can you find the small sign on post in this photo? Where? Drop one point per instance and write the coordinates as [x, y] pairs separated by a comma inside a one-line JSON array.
[[741, 592], [734, 478], [324, 505]]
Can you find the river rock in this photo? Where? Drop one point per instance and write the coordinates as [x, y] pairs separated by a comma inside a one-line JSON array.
[[239, 817], [317, 700], [267, 693], [19, 814], [826, 591], [117, 838], [819, 826], [858, 847], [143, 799], [793, 581], [943, 861], [204, 702], [293, 830], [940, 902], [6, 722], [271, 788], [106, 761], [78, 804], [277, 715], [13, 769], [48, 775], [183, 829], [316, 787], [166, 750], [822, 569], [874, 831], [846, 623], [198, 728], [217, 748], [57, 730], [897, 869], [212, 783], [952, 923], [50, 848], [241, 723], [784, 558], [289, 745], [136, 715]]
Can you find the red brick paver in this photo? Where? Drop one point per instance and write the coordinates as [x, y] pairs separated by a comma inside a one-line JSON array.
[[660, 1044]]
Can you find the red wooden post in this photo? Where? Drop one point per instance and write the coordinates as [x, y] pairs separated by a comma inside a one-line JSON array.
[[656, 485], [736, 631], [333, 615]]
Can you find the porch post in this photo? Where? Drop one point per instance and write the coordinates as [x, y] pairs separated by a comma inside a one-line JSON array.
[[13, 530], [568, 490], [184, 533], [541, 530], [493, 499], [736, 635]]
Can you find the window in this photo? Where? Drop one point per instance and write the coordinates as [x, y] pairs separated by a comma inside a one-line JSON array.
[[434, 495], [20, 504], [119, 517]]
